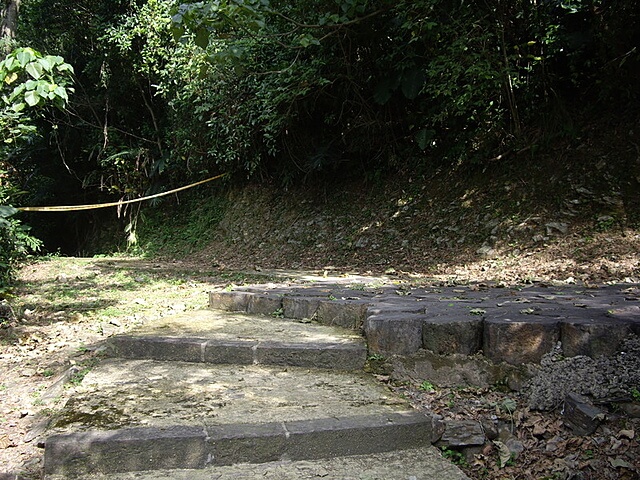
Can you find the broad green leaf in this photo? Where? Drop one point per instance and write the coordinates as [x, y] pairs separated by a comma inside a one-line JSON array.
[[42, 88], [202, 38], [7, 211], [11, 64], [18, 107], [424, 137], [55, 59], [46, 63], [412, 82], [62, 93], [25, 56], [32, 98], [384, 89], [65, 67], [34, 69]]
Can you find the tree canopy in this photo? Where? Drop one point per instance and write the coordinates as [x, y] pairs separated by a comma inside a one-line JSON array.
[[167, 92]]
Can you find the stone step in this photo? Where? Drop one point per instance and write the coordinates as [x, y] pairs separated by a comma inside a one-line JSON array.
[[222, 337], [423, 463], [514, 326], [131, 415]]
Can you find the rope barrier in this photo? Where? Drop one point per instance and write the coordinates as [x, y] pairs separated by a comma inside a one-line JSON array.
[[71, 208]]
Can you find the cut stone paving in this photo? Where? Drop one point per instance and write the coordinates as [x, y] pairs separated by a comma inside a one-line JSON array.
[[224, 390], [507, 325]]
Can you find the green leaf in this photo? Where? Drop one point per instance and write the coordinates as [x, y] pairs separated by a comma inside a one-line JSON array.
[[34, 69], [412, 83], [32, 98], [46, 63], [25, 56], [306, 40], [61, 93], [18, 107], [384, 90], [202, 38], [7, 211], [424, 137], [177, 31], [65, 67]]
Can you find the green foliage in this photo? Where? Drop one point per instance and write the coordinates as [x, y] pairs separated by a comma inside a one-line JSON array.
[[29, 82], [15, 241], [427, 386], [180, 230], [304, 90], [35, 80], [454, 456]]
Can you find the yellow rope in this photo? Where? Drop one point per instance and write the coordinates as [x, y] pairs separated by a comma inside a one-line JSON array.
[[70, 208]]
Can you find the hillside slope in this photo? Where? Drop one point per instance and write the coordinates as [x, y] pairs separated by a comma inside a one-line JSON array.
[[571, 213]]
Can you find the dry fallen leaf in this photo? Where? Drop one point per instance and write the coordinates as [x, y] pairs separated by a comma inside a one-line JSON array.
[[503, 452], [620, 463], [630, 434], [4, 441]]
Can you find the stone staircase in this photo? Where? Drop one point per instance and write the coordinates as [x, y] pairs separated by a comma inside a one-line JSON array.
[[269, 382], [220, 394]]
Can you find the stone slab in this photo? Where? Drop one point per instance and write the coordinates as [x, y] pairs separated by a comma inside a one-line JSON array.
[[78, 454], [580, 415], [143, 393], [462, 433], [529, 306], [220, 337], [394, 333], [447, 336], [229, 301], [423, 463], [592, 337], [316, 355], [135, 413], [186, 349], [342, 313], [300, 307], [521, 340], [198, 446]]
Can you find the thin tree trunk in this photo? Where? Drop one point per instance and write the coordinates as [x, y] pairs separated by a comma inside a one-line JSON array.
[[8, 25]]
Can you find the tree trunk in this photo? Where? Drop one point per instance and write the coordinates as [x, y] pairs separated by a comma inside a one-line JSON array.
[[9, 18]]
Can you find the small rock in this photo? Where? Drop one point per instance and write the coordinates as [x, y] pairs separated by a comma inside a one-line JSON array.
[[632, 409], [558, 227], [554, 443], [580, 415], [28, 372], [462, 433], [487, 251], [361, 243]]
